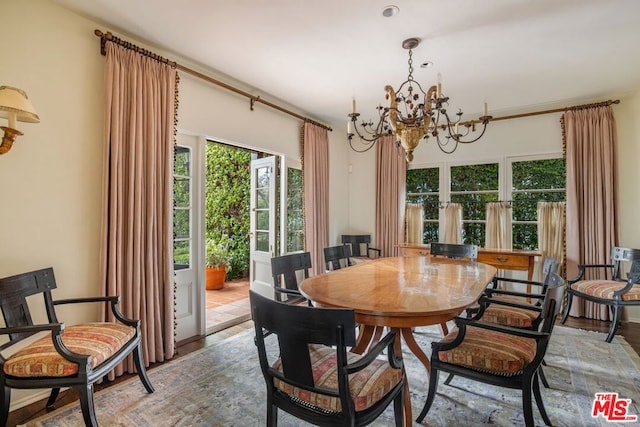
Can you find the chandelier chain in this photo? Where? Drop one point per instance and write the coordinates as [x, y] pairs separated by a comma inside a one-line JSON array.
[[410, 78]]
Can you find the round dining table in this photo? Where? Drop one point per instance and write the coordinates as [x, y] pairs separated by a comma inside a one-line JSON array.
[[401, 293]]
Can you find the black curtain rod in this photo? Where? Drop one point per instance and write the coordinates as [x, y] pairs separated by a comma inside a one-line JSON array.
[[104, 37]]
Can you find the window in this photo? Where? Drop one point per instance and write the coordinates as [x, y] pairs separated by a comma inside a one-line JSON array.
[[423, 187], [533, 181], [528, 181], [473, 186]]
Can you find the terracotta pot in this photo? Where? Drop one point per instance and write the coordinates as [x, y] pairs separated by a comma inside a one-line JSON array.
[[214, 277]]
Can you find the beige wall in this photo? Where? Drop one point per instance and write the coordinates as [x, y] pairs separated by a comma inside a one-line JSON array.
[[50, 182]]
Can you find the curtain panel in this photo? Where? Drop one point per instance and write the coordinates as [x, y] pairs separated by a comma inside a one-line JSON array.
[[137, 219], [551, 231], [414, 223], [592, 195], [391, 175], [499, 233], [452, 224], [315, 172]]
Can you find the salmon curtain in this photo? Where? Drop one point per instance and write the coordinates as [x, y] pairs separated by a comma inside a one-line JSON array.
[[315, 172], [592, 195], [391, 175], [137, 196]]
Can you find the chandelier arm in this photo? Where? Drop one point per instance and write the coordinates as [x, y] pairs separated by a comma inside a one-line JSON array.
[[484, 129], [368, 146]]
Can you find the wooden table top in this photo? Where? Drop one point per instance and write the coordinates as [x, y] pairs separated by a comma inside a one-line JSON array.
[[418, 287]]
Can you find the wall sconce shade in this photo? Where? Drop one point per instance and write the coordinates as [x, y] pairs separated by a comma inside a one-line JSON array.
[[15, 107]]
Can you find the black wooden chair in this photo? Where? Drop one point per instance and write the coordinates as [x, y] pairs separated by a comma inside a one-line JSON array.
[[605, 284], [360, 247], [511, 308], [452, 250], [498, 355], [286, 271], [514, 308], [74, 356], [315, 378], [337, 257], [455, 251]]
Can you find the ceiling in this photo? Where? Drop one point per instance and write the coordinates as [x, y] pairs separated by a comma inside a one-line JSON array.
[[516, 55]]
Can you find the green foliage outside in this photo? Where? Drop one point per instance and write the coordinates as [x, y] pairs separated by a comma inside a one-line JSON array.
[[227, 204], [475, 185]]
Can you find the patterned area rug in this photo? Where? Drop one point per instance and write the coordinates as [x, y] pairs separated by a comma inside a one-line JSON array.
[[222, 385]]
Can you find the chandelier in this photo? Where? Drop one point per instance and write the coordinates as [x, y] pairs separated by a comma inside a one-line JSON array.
[[413, 115]]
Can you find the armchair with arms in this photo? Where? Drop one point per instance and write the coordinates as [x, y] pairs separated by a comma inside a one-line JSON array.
[[498, 355], [68, 356], [314, 377], [285, 270], [605, 284], [360, 249]]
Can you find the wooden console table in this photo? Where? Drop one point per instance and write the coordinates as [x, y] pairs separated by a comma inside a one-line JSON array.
[[504, 259]]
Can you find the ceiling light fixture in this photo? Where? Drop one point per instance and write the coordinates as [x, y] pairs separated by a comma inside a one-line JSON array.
[[415, 115], [390, 11]]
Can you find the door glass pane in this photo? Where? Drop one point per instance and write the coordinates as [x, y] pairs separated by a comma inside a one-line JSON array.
[[182, 208], [262, 220], [262, 199], [181, 223], [181, 256], [262, 241], [182, 161], [181, 192], [295, 222], [262, 175]]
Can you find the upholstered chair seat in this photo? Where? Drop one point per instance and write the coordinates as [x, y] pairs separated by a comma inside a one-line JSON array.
[[517, 317], [490, 351], [40, 358], [605, 289], [366, 387]]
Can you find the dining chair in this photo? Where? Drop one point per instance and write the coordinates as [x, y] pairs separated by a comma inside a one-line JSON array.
[[506, 311], [498, 355], [67, 356], [453, 250], [360, 247], [288, 271], [337, 257], [605, 284], [314, 377], [515, 308]]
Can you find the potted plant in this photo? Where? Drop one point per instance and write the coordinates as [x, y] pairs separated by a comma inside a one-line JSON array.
[[216, 262]]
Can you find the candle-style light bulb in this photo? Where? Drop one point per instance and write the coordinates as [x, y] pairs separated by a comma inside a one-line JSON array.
[[353, 105], [484, 109]]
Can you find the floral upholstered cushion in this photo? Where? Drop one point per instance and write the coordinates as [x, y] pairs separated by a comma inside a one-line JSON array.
[[490, 351], [367, 386], [40, 358], [605, 288]]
